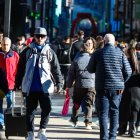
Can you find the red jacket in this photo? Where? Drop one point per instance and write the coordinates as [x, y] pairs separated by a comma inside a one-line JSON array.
[[9, 63]]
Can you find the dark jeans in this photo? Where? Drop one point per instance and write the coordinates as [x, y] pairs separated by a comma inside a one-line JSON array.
[[31, 106], [108, 103], [87, 96]]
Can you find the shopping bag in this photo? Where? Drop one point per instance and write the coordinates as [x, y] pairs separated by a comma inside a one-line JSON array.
[[66, 104]]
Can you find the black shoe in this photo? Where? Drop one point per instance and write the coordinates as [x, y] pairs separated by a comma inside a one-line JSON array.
[[120, 133], [132, 133], [132, 130]]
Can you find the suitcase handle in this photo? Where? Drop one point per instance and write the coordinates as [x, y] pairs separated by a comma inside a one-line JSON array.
[[13, 103]]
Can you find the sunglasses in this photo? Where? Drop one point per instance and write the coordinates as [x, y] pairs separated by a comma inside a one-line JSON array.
[[40, 36]]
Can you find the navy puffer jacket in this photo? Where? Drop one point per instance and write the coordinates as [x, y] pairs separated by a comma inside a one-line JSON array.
[[111, 68]]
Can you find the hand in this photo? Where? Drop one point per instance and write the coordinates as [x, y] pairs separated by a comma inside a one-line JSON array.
[[119, 91], [17, 88], [24, 94], [57, 89]]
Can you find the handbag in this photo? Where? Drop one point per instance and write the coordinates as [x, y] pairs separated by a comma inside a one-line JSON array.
[[66, 104]]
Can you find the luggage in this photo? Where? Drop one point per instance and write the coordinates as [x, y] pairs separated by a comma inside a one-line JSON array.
[[15, 121]]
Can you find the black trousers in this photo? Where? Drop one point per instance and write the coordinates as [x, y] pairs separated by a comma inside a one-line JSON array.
[[31, 105]]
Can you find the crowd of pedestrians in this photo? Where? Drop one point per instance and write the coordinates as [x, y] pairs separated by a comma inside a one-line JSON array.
[[101, 71]]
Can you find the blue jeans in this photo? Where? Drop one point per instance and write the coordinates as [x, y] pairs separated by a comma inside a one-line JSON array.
[[108, 103], [9, 103]]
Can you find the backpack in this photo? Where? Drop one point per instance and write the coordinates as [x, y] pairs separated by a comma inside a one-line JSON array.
[[64, 54], [33, 51]]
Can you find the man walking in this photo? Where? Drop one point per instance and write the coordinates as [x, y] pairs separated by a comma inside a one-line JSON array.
[[111, 69], [8, 63], [37, 84]]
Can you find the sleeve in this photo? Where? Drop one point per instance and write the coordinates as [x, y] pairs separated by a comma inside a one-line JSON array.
[[73, 51], [91, 67], [3, 81], [71, 75], [127, 71], [21, 68], [55, 70], [16, 62]]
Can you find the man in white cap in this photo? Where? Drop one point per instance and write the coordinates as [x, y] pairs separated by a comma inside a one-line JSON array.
[[111, 69], [37, 83]]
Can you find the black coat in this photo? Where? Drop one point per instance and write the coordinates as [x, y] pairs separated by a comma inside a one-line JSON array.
[[3, 81], [131, 98]]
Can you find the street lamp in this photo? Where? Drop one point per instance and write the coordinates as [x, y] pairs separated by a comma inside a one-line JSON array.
[[131, 18], [7, 15], [69, 4]]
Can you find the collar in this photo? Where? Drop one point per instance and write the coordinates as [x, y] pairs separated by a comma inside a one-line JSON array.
[[9, 54]]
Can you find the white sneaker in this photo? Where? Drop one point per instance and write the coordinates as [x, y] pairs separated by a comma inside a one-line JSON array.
[[88, 126], [30, 136], [42, 134]]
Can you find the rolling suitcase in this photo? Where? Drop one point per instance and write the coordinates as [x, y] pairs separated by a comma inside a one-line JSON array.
[[15, 121]]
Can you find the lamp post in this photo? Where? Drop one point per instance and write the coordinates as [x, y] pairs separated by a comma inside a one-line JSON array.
[[70, 9], [124, 17], [7, 15], [131, 18], [43, 9]]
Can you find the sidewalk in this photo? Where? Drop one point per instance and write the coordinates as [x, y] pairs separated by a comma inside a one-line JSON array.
[[59, 127]]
